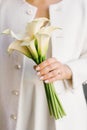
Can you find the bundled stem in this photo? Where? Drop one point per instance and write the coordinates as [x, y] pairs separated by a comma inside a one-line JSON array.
[[55, 107]]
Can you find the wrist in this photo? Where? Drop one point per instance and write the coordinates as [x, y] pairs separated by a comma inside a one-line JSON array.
[[68, 72]]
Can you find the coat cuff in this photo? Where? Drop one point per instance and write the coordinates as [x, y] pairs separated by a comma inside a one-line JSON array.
[[79, 74]]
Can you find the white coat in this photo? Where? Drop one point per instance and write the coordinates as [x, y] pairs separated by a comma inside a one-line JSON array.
[[23, 104]]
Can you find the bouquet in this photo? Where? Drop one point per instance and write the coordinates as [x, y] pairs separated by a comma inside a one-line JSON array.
[[34, 44]]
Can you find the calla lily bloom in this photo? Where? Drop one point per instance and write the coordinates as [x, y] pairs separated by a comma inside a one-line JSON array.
[[37, 33], [16, 45], [33, 27], [30, 45], [16, 36], [42, 44]]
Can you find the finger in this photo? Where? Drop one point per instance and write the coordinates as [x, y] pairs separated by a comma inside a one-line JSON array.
[[45, 63], [53, 79], [49, 68], [49, 75]]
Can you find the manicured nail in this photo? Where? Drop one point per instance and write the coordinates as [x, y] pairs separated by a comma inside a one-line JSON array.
[[38, 73], [38, 68], [41, 78], [46, 81]]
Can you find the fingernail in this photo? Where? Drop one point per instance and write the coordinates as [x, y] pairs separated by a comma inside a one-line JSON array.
[[46, 81], [41, 78], [38, 73], [38, 68]]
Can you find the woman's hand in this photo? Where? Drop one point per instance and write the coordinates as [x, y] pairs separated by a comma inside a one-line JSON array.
[[52, 70]]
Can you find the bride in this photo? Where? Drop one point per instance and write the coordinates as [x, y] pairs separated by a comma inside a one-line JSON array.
[[23, 103]]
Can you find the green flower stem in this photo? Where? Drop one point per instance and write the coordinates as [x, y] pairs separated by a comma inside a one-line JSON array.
[[58, 101], [56, 104], [55, 107], [52, 101], [48, 91], [58, 107], [48, 98]]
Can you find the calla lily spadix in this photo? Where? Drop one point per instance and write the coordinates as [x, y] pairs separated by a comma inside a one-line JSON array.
[[34, 43]]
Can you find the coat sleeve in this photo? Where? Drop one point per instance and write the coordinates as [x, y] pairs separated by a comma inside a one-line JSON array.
[[79, 72], [79, 66]]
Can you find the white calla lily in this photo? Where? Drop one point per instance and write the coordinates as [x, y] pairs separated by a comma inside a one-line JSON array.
[[6, 31], [32, 49], [36, 38], [19, 37], [48, 30], [16, 45], [43, 42], [34, 26]]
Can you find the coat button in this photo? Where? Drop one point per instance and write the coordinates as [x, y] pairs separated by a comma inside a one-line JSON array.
[[12, 116], [15, 92], [29, 12], [18, 66]]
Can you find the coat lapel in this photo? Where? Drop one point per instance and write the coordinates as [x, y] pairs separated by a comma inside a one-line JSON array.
[[56, 17], [65, 42]]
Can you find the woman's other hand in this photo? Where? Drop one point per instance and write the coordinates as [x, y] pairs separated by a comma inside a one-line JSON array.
[[52, 70]]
